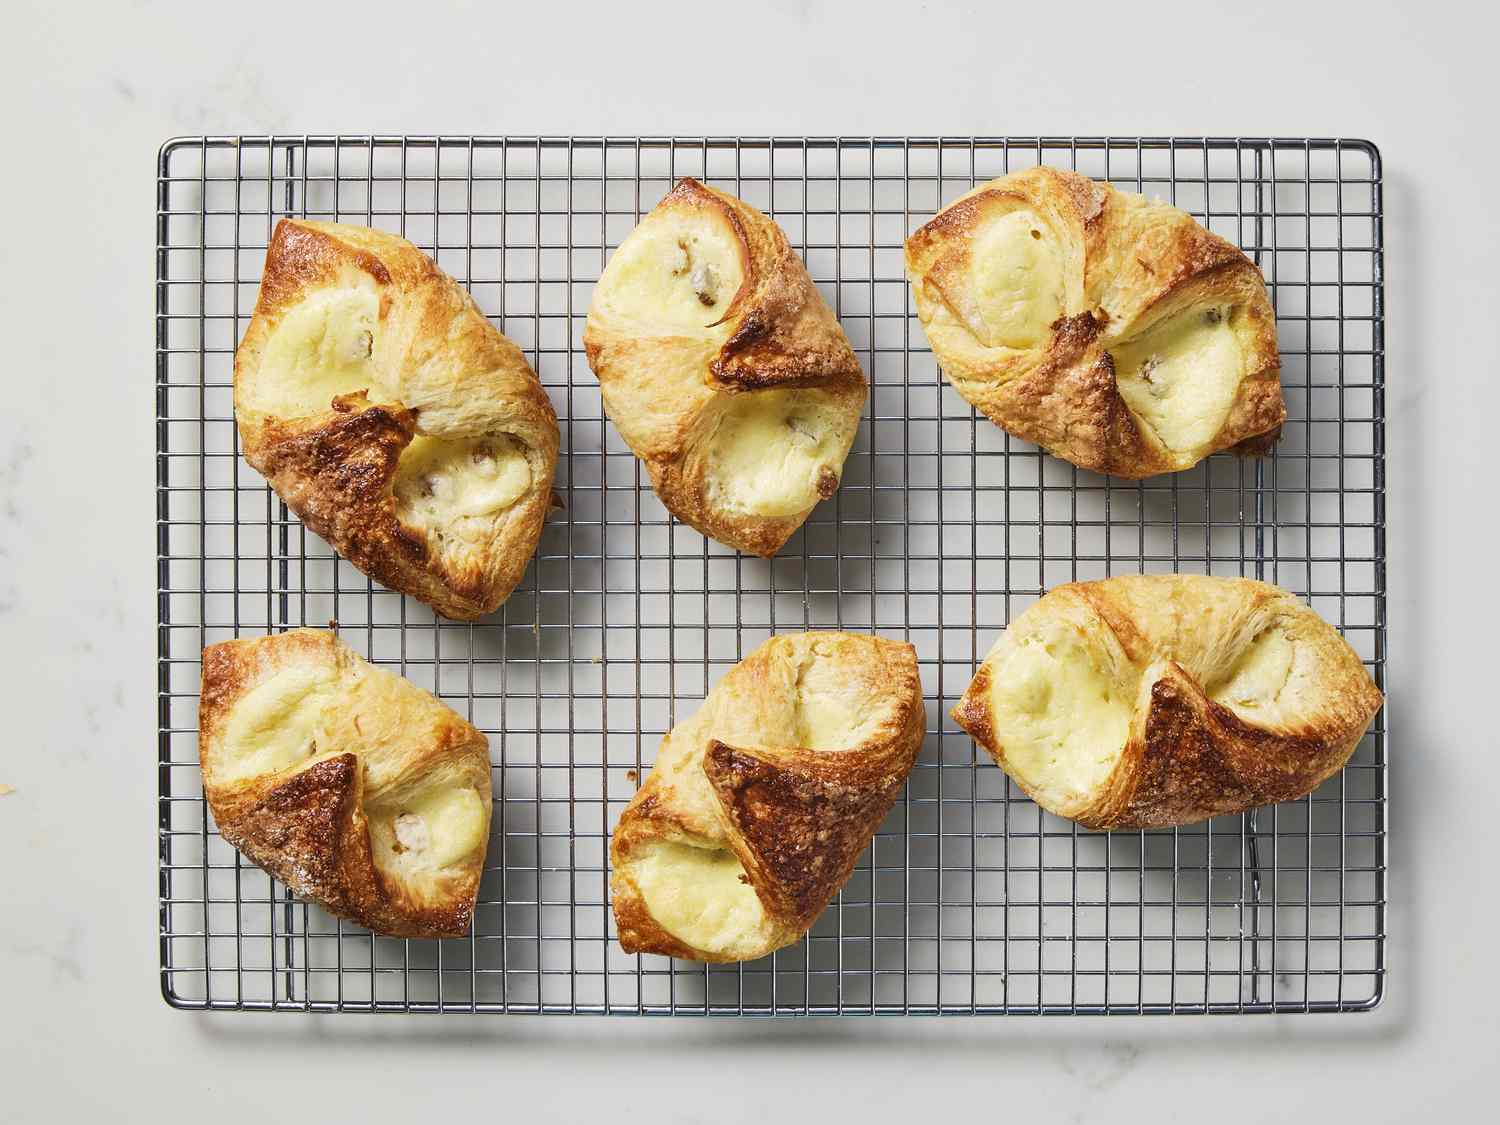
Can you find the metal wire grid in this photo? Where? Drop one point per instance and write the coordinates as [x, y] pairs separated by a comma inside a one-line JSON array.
[[970, 900]]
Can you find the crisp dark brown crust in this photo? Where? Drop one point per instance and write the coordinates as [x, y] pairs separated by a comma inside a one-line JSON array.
[[1198, 759], [309, 832], [308, 827], [786, 335], [337, 479], [783, 336], [335, 468], [1188, 757], [1077, 380], [801, 825], [796, 819], [1145, 261]]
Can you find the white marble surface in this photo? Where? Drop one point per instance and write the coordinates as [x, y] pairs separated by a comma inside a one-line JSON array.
[[89, 98]]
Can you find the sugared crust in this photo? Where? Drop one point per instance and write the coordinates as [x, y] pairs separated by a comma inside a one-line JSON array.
[[334, 469], [307, 827], [1188, 757], [1128, 263], [796, 819], [783, 335], [1198, 759], [801, 824]]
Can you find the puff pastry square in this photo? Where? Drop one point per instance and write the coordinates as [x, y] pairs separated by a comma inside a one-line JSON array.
[[1154, 701], [759, 804], [393, 418], [1111, 330], [723, 369], [353, 786]]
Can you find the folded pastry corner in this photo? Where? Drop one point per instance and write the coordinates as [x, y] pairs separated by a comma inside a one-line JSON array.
[[393, 418], [724, 369], [1155, 701], [760, 804], [1114, 331], [354, 787]]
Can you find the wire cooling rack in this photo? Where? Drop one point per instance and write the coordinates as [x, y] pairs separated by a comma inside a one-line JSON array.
[[970, 900]]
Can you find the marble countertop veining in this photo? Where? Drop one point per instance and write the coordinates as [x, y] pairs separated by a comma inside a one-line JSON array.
[[83, 1029]]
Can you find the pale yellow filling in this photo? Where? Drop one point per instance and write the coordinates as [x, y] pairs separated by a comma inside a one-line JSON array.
[[772, 450], [276, 724], [1058, 718], [319, 350], [431, 829], [698, 896], [1256, 680], [1016, 280], [460, 485], [675, 270], [1180, 378]]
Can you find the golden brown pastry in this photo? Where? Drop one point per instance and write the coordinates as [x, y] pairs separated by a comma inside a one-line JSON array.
[[1111, 330], [723, 368], [353, 786], [759, 805], [393, 418], [1161, 700]]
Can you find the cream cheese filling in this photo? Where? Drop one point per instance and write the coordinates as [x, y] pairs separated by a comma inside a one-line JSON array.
[[698, 895], [675, 270], [1015, 280], [277, 724], [1057, 716], [1180, 378], [459, 485], [321, 348], [434, 828], [775, 453]]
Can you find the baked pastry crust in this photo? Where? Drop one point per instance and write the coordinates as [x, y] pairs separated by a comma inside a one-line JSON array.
[[1223, 694], [676, 375], [1056, 338], [393, 418], [354, 787], [783, 821]]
